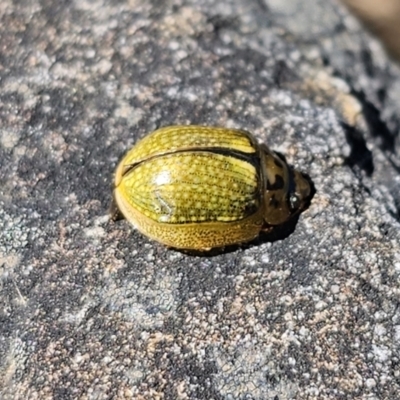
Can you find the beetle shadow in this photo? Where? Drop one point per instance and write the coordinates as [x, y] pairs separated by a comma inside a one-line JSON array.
[[279, 232]]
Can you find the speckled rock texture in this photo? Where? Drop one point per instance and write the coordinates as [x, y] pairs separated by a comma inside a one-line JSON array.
[[91, 309]]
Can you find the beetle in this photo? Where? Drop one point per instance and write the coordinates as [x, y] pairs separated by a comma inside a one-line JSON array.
[[201, 187]]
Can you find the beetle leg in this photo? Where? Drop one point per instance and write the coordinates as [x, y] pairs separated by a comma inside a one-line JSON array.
[[115, 213]]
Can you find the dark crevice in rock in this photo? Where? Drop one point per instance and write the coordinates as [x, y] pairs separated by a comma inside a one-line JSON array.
[[360, 156], [282, 74]]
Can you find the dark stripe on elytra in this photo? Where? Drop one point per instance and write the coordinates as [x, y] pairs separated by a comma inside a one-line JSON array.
[[277, 185], [253, 158]]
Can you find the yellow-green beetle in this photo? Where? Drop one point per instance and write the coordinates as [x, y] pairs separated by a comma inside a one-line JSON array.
[[198, 187]]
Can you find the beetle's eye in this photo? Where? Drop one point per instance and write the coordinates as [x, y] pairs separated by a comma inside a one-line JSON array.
[[294, 202]]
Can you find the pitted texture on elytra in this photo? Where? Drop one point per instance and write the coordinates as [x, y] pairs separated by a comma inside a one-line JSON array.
[[193, 187], [173, 138]]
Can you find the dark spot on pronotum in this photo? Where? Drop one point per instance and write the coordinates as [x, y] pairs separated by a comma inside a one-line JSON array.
[[273, 202], [278, 163], [277, 185]]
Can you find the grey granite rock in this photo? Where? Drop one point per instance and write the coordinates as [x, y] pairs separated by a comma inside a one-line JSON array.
[[91, 309]]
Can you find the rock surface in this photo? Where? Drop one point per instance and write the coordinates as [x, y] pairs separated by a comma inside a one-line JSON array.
[[92, 309]]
